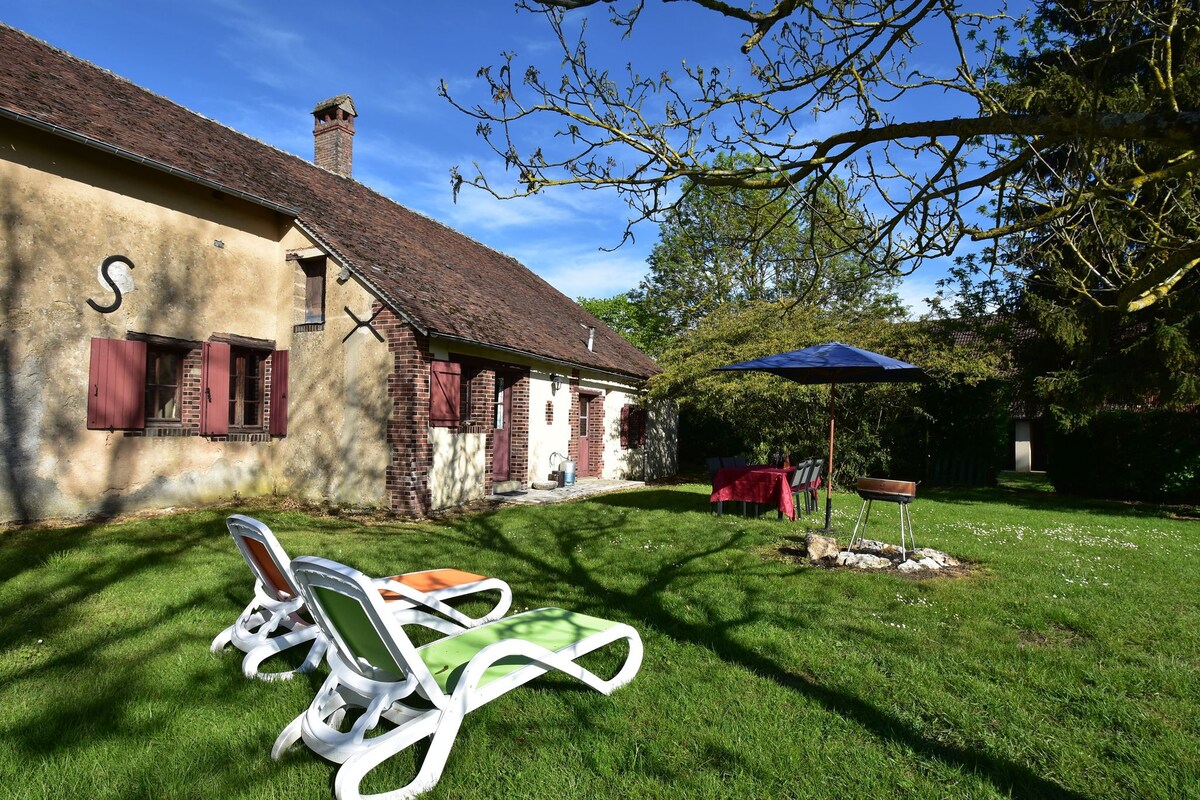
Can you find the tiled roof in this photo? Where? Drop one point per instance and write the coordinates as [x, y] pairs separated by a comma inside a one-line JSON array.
[[446, 282]]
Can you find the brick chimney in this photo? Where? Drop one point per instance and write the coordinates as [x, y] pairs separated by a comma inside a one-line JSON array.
[[333, 134]]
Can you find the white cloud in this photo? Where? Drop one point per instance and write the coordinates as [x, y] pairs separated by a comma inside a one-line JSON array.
[[918, 286], [260, 45], [586, 274]]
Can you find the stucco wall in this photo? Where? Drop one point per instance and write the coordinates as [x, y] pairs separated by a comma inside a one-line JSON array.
[[459, 462], [546, 439], [621, 463], [336, 447], [204, 263], [662, 440]]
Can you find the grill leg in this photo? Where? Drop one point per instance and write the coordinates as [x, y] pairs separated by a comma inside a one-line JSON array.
[[906, 521], [864, 514]]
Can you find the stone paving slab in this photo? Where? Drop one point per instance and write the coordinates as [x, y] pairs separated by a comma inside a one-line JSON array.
[[584, 487]]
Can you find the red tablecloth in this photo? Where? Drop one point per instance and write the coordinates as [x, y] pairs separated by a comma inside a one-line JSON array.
[[755, 485]]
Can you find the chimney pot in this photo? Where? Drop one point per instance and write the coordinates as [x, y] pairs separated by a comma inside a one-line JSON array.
[[333, 134]]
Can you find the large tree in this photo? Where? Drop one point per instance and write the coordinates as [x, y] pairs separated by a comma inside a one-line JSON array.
[[628, 317], [933, 179], [1061, 280], [721, 244]]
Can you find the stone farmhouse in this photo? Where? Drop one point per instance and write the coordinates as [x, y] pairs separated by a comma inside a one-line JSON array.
[[189, 313]]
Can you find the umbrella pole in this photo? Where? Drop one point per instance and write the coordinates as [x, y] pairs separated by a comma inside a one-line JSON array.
[[829, 472]]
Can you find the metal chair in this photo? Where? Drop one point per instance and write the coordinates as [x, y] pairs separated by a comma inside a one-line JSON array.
[[713, 463], [805, 482]]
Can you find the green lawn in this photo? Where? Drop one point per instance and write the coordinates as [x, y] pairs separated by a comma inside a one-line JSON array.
[[1067, 666]]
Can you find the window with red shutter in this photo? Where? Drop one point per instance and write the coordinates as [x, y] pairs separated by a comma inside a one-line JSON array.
[[633, 426], [214, 393], [279, 393], [247, 378], [164, 375], [445, 380], [117, 385], [314, 289]]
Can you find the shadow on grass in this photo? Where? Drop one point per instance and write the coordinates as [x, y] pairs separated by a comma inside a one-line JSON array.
[[644, 606], [673, 501], [1045, 501], [550, 557], [99, 680]]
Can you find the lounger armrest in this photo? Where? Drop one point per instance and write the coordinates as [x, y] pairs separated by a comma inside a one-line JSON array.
[[563, 661]]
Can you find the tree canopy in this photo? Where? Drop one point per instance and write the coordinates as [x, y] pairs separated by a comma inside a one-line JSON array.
[[722, 244], [1060, 282], [1024, 123], [767, 414], [644, 330]]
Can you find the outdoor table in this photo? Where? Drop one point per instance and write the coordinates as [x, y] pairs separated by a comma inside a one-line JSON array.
[[755, 484]]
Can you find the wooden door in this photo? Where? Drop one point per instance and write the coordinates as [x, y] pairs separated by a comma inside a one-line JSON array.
[[581, 464], [502, 427]]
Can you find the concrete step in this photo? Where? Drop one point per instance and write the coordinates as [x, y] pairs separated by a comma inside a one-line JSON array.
[[506, 487]]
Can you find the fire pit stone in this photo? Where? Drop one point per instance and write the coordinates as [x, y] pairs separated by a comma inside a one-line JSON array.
[[869, 554]]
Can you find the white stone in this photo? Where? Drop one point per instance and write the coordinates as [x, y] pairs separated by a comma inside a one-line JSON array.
[[864, 561], [908, 566], [820, 546], [929, 563], [937, 555]]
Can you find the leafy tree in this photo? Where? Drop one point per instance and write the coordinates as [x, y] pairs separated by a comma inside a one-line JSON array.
[[643, 329], [722, 245], [763, 414], [1064, 279], [973, 137]]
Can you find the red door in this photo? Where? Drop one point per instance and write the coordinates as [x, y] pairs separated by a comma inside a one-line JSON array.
[[581, 466], [502, 421]]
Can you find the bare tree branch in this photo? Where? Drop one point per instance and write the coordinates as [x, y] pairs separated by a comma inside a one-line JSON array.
[[931, 182]]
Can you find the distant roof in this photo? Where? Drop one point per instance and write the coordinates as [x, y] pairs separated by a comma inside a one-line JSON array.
[[445, 282]]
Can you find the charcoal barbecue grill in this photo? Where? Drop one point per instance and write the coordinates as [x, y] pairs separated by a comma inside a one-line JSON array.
[[888, 491]]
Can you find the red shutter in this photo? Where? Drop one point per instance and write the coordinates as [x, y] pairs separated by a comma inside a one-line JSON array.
[[117, 385], [279, 393], [642, 416], [214, 395], [625, 426], [445, 378]]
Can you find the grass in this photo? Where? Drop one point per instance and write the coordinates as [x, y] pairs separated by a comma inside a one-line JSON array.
[[1067, 666], [1025, 481]]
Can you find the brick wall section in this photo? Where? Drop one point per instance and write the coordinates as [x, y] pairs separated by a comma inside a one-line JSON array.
[[482, 388], [595, 465], [333, 145], [483, 412], [190, 392], [573, 419], [408, 424], [596, 436], [519, 461]]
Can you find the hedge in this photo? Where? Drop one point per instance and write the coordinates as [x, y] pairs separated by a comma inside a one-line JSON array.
[[1129, 455]]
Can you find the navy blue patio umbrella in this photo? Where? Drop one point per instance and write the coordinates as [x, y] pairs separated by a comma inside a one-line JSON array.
[[832, 363]]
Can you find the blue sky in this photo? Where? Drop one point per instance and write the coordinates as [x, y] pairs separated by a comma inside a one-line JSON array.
[[260, 67]]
